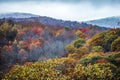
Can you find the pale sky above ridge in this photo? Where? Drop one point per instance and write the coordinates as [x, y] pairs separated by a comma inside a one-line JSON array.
[[75, 10]]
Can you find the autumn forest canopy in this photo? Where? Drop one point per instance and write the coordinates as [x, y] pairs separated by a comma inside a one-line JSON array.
[[31, 50]]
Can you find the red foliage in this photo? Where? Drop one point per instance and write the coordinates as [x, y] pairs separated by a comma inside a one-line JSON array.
[[84, 30], [102, 61], [37, 30], [20, 33]]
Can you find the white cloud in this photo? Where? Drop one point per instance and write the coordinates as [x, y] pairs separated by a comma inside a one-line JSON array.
[[67, 11]]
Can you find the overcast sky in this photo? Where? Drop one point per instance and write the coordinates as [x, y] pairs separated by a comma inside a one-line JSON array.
[[75, 10]]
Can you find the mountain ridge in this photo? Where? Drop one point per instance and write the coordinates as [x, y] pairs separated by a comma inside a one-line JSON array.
[[17, 16], [42, 19], [110, 22]]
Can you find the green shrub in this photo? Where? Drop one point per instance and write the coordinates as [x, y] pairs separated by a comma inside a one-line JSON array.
[[79, 72], [115, 46], [91, 60], [79, 42], [107, 40], [94, 72], [98, 72], [36, 71], [70, 48], [97, 49], [114, 58]]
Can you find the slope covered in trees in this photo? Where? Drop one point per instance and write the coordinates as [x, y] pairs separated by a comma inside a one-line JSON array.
[[69, 68], [108, 40], [35, 51]]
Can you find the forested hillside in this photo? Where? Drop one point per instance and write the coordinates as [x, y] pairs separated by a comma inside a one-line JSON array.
[[35, 51]]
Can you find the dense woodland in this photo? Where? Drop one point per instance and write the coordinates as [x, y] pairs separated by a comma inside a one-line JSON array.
[[35, 51]]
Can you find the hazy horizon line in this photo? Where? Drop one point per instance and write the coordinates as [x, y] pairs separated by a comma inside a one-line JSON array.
[[58, 18]]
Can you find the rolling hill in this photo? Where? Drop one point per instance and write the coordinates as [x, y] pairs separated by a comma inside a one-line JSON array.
[[27, 17], [109, 22]]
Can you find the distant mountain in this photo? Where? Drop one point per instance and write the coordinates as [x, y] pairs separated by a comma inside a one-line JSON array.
[[17, 15], [42, 19], [110, 22], [53, 22], [27, 17]]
